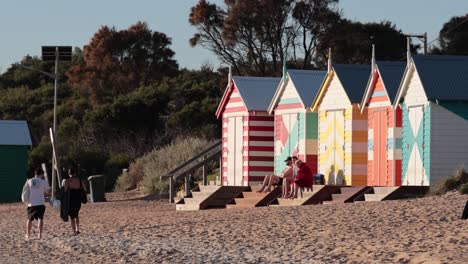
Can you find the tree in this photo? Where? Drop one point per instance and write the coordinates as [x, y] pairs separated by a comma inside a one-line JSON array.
[[351, 42], [15, 76], [254, 36], [453, 37], [118, 62]]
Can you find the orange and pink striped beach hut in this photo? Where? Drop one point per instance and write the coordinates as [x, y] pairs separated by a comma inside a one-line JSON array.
[[384, 123]]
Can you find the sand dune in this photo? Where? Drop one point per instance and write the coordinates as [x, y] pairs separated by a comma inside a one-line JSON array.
[[427, 230]]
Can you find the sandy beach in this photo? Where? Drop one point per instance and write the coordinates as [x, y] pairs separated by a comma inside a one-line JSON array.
[[129, 229]]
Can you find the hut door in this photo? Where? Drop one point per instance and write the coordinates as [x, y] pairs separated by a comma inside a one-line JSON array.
[[290, 123], [415, 174], [334, 146], [380, 149], [235, 151], [339, 147]]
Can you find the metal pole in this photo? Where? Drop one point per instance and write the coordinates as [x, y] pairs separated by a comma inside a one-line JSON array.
[[425, 43], [54, 127]]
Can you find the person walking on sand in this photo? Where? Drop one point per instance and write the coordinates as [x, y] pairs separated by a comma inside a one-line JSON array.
[[269, 180], [36, 189], [74, 185]]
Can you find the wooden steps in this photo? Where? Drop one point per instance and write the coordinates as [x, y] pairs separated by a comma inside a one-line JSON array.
[[251, 198], [306, 198], [209, 196], [379, 193], [346, 194]]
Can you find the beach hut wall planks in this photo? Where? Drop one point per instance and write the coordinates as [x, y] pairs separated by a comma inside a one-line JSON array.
[[342, 125], [434, 98], [296, 126], [14, 144], [384, 124], [247, 154]]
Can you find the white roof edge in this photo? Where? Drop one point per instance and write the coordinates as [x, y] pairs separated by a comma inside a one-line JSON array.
[[402, 84], [370, 82], [279, 89], [222, 99]]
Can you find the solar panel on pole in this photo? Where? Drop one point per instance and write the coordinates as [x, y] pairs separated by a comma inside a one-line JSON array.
[[64, 53]]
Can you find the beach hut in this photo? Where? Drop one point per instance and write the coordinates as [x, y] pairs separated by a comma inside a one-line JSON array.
[[14, 144], [342, 125], [434, 98], [296, 126], [247, 153], [384, 123]]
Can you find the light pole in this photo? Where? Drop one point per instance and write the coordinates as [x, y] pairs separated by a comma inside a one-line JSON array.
[[56, 54]]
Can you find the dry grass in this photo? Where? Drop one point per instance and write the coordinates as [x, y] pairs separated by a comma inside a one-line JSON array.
[[459, 181], [145, 172]]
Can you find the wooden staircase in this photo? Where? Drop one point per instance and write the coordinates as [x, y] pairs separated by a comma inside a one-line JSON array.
[[346, 194], [209, 196], [251, 198]]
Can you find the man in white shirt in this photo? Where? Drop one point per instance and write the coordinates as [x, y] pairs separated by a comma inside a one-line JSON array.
[[38, 186]]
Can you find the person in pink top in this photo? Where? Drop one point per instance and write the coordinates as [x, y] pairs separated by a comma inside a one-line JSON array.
[[304, 177], [288, 181]]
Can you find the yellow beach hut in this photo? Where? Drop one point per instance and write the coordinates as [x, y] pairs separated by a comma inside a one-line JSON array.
[[342, 125]]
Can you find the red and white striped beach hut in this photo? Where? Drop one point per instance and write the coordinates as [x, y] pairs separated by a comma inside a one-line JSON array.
[[248, 143]]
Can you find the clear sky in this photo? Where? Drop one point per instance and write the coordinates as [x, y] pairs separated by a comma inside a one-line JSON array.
[[26, 25]]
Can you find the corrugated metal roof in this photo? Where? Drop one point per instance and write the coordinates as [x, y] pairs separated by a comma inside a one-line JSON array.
[[256, 92], [354, 79], [307, 83], [13, 132], [391, 73], [443, 77]]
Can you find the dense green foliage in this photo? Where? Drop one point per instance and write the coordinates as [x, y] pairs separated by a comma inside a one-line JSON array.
[[453, 37], [102, 134]]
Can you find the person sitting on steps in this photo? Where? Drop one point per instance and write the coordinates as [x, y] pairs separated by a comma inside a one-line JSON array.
[[287, 183], [276, 179], [304, 178]]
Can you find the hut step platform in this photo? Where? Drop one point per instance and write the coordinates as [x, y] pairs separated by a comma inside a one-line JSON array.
[[347, 194], [393, 193], [251, 198], [317, 195], [209, 196]]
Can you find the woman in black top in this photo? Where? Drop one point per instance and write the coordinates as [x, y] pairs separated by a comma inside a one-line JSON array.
[[74, 185]]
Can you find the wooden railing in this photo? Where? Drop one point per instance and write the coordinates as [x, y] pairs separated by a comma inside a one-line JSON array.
[[186, 169]]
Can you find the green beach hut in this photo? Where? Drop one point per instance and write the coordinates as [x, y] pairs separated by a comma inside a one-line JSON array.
[[15, 141]]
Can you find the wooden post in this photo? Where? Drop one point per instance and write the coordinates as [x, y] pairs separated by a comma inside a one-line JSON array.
[[205, 180], [171, 189], [220, 170], [187, 184]]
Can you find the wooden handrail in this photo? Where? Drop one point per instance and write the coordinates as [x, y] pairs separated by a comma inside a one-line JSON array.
[[192, 164]]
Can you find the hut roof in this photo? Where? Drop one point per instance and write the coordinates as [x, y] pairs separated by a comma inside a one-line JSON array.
[[443, 77], [14, 132], [354, 79], [391, 73], [307, 84], [256, 92]]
